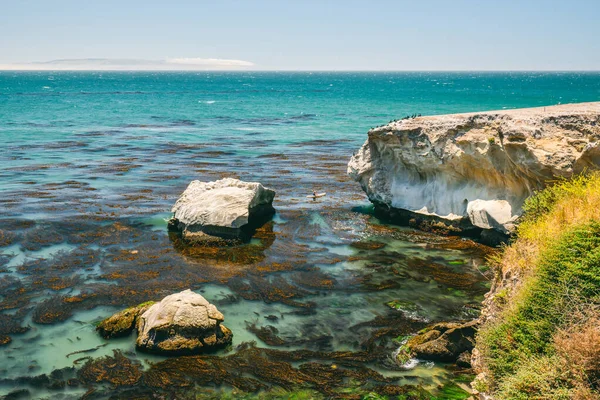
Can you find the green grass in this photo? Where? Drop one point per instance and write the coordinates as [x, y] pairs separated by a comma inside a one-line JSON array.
[[571, 268], [557, 260]]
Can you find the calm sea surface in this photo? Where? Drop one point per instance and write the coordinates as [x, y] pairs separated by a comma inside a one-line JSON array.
[[91, 162]]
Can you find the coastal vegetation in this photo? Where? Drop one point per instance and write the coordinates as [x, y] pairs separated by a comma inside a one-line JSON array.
[[542, 329]]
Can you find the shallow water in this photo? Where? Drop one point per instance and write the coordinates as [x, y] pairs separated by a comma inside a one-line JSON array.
[[92, 162]]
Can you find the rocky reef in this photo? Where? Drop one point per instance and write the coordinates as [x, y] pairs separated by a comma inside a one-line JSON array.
[[180, 324], [473, 172], [227, 209], [445, 341]]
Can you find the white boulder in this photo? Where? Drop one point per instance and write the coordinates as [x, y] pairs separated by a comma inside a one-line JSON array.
[[182, 323], [492, 214], [227, 208]]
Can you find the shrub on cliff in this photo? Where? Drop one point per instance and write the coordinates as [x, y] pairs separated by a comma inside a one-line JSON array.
[[542, 341]]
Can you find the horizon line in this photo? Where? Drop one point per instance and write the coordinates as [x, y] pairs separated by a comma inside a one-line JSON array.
[[296, 70]]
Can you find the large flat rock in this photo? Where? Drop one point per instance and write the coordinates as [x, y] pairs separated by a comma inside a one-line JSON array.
[[227, 209], [476, 169]]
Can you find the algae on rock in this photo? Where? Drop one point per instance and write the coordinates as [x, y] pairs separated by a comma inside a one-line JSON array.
[[123, 322], [182, 323]]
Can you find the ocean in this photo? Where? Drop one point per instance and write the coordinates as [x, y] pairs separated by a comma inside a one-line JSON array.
[[91, 163]]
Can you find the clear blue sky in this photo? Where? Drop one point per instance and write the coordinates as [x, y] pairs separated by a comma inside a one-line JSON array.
[[311, 34]]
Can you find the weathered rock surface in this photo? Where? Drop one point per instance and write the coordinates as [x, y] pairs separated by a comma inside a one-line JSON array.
[[446, 342], [464, 360], [224, 209], [182, 323], [121, 323], [474, 171]]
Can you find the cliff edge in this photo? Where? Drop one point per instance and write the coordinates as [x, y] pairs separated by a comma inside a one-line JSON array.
[[473, 172]]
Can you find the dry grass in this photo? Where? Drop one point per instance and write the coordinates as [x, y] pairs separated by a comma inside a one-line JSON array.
[[571, 372], [579, 348], [548, 215]]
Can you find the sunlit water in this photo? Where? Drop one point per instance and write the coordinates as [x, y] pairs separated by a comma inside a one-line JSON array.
[[92, 162]]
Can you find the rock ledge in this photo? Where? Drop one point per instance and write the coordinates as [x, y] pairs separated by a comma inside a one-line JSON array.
[[474, 171]]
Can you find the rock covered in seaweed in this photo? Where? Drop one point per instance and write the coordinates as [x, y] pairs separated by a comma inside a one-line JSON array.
[[225, 209], [182, 323], [121, 323], [474, 171], [445, 341]]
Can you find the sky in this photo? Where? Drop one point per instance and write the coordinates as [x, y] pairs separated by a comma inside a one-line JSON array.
[[301, 34]]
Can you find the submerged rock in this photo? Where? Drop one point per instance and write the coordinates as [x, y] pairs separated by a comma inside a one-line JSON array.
[[182, 323], [473, 172], [227, 209], [446, 342]]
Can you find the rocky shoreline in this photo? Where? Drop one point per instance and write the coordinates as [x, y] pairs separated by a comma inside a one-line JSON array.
[[463, 174], [471, 173]]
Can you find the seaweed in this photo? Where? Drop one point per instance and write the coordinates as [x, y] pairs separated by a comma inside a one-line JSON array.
[[368, 245], [93, 349], [53, 310], [39, 237], [236, 254], [5, 339], [276, 289], [389, 327], [267, 334], [315, 278], [7, 237], [56, 380], [252, 369], [444, 274], [18, 394], [117, 370], [12, 324], [15, 294]]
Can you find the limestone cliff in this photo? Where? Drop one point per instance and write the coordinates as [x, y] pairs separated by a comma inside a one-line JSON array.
[[475, 170]]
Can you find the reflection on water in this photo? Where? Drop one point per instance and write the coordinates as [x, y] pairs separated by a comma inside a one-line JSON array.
[[228, 255]]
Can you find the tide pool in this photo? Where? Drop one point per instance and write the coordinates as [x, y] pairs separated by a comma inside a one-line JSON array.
[[92, 162]]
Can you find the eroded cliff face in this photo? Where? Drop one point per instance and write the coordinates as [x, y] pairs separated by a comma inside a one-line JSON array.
[[475, 170]]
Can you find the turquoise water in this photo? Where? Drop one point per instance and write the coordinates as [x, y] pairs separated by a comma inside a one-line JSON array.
[[87, 117], [91, 163]]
